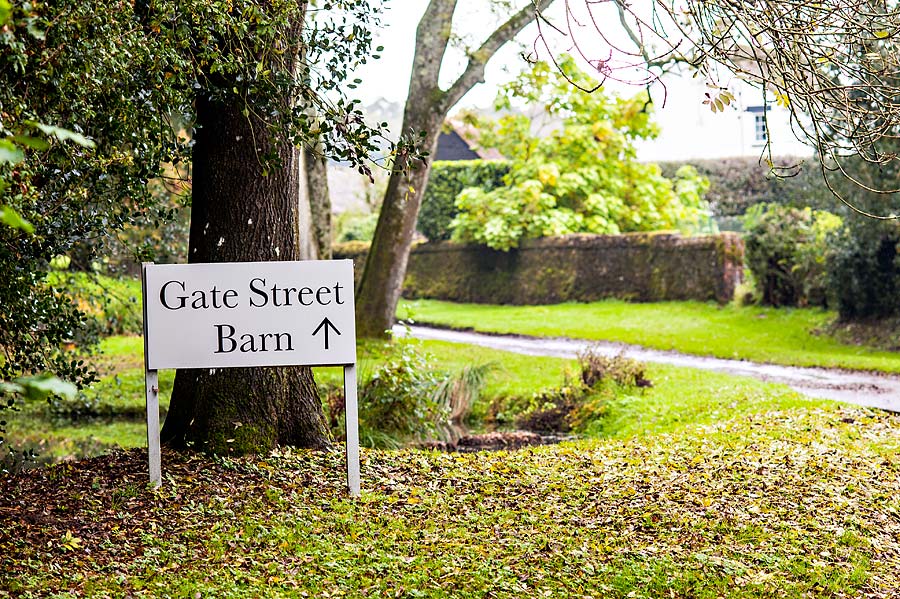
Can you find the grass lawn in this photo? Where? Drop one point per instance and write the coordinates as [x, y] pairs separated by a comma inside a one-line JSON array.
[[795, 503], [112, 413], [780, 336], [701, 486]]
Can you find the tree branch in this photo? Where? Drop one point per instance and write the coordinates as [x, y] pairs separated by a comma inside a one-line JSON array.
[[474, 72], [432, 38]]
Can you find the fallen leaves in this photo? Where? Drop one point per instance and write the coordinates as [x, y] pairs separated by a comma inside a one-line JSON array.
[[797, 503]]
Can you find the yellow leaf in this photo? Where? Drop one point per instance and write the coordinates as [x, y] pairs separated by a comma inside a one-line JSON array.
[[882, 34]]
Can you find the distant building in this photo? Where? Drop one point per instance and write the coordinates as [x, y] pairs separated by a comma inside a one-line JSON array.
[[353, 192], [459, 141], [690, 130]]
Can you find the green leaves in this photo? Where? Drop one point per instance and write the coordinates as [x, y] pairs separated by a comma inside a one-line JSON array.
[[581, 175], [63, 134], [39, 387], [11, 218], [35, 143], [6, 12], [10, 153]]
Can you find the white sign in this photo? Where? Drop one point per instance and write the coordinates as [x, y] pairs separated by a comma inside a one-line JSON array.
[[250, 314], [225, 315]]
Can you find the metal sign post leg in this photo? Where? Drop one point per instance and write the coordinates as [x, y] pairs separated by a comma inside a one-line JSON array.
[[151, 382], [351, 423], [151, 392]]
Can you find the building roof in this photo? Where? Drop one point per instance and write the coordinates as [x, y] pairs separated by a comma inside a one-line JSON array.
[[459, 141]]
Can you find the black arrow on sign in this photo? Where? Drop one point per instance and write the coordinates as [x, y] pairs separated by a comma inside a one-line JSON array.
[[324, 325]]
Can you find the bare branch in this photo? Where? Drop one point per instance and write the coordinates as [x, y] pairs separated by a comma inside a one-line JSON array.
[[835, 66], [474, 72]]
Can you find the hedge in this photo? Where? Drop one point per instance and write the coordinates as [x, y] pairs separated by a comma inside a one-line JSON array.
[[447, 179], [583, 268], [741, 182], [864, 270]]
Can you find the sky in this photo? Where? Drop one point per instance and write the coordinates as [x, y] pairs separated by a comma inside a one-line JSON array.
[[388, 77]]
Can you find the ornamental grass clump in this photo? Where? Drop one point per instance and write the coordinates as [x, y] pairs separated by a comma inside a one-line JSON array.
[[577, 403], [407, 400]]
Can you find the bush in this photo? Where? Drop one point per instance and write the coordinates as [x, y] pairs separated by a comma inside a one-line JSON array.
[[583, 177], [786, 251], [113, 305], [596, 369], [864, 270], [354, 226], [407, 400], [576, 404], [736, 184], [448, 179]]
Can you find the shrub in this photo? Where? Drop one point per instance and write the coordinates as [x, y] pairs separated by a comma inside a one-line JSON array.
[[576, 404], [736, 184], [597, 368], [407, 400], [353, 226], [864, 270], [549, 411], [583, 177], [112, 305], [786, 251], [457, 394], [447, 180]]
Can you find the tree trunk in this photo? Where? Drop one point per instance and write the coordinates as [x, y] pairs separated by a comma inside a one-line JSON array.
[[388, 255], [316, 167], [427, 106], [241, 214]]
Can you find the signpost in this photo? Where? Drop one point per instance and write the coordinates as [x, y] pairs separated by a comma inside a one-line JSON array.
[[244, 314]]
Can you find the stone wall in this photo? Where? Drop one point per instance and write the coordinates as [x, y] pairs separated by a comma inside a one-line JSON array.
[[581, 268]]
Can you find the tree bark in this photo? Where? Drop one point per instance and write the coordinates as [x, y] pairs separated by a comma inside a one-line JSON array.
[[427, 106], [240, 213], [316, 171]]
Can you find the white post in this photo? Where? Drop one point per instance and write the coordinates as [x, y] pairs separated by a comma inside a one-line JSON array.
[[351, 423], [151, 389], [153, 451]]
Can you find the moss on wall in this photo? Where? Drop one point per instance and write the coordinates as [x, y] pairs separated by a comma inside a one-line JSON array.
[[583, 268]]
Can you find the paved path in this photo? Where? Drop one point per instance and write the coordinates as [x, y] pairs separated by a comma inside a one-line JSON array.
[[862, 388]]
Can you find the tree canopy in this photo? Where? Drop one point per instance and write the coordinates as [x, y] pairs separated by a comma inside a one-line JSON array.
[[578, 175], [833, 65], [127, 78]]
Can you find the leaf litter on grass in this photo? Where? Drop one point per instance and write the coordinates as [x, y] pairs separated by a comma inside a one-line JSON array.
[[800, 503]]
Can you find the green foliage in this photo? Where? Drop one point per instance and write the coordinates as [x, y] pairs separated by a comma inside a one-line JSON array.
[[11, 218], [38, 387], [405, 398], [864, 270], [737, 183], [786, 250], [597, 368], [113, 304], [398, 398], [98, 113], [581, 178], [447, 180], [578, 405], [30, 388], [352, 226]]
